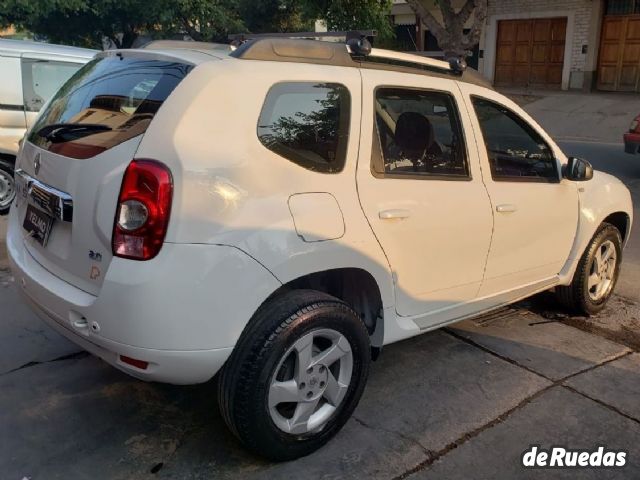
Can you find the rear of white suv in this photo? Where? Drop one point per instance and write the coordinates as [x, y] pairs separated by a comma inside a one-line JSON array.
[[87, 236]]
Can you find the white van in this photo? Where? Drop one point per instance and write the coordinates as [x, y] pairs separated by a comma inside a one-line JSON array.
[[31, 73]]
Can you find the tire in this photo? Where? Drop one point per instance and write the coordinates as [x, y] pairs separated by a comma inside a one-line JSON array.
[[581, 296], [266, 353], [7, 186]]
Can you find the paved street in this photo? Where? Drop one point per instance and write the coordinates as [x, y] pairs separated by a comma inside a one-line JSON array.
[[463, 402]]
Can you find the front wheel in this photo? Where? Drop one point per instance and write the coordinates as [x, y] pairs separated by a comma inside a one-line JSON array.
[[7, 186], [296, 375], [596, 275]]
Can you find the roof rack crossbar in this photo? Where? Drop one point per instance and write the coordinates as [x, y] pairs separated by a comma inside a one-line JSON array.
[[356, 53], [341, 34]]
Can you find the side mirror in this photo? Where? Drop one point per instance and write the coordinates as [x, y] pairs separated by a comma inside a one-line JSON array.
[[577, 170]]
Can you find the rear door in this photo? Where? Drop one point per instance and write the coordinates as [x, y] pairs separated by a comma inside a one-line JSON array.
[[12, 122], [72, 178], [421, 189]]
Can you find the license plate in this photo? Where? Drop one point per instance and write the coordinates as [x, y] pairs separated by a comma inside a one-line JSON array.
[[38, 224]]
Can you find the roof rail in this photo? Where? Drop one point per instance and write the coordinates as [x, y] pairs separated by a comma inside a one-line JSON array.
[[357, 52], [454, 66], [185, 44], [347, 35]]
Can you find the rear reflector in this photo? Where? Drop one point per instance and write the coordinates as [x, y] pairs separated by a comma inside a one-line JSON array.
[[143, 211], [141, 364]]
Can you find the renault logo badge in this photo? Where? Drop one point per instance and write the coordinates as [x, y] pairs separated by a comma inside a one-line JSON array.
[[36, 163]]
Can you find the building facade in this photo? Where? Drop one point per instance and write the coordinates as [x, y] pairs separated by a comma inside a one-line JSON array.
[[554, 44]]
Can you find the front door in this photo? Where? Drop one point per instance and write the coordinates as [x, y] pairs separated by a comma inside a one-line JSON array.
[[535, 210], [421, 189]]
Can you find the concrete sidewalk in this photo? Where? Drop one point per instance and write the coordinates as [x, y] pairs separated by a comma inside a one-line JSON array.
[[463, 402], [597, 117]]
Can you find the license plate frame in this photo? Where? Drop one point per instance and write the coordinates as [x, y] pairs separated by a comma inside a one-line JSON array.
[[38, 224]]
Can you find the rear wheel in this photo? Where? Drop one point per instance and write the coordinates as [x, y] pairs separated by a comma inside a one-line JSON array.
[[596, 275], [7, 186], [296, 375]]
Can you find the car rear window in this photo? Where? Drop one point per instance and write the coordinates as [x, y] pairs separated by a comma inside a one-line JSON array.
[[109, 101]]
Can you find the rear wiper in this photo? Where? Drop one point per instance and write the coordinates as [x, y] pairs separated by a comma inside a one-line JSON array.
[[65, 132]]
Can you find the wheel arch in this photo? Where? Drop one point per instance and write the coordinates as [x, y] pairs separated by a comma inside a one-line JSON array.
[[604, 198], [8, 157], [622, 221], [354, 285], [588, 226]]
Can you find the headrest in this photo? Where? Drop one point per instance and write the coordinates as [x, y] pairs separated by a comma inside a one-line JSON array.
[[414, 132]]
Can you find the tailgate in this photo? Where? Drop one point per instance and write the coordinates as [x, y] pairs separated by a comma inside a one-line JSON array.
[[70, 170]]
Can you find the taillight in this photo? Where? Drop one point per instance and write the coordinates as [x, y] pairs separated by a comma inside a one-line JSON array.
[[143, 211]]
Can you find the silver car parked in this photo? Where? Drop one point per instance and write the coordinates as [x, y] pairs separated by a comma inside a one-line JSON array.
[[31, 73]]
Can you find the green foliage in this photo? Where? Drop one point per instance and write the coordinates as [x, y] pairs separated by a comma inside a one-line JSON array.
[[202, 20], [86, 22], [266, 16], [353, 15]]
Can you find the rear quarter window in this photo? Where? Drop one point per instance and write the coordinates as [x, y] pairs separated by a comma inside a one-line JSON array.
[[308, 124], [114, 97]]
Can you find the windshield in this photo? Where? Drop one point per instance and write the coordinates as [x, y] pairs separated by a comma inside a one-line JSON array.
[[117, 92]]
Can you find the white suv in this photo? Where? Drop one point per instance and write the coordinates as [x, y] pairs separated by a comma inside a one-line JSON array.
[[31, 73], [280, 213]]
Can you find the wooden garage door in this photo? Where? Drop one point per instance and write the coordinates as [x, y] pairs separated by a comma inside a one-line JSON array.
[[530, 53], [619, 64]]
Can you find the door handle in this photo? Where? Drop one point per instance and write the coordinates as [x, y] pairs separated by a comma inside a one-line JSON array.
[[506, 208], [394, 213]]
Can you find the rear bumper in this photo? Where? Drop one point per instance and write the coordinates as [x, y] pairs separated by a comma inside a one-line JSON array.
[[182, 312], [167, 366], [632, 143]]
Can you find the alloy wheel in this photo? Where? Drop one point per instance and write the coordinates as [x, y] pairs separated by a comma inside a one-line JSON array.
[[310, 382], [602, 271]]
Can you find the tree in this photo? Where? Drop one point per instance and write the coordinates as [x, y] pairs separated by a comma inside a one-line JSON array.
[[450, 35], [353, 14], [266, 16], [86, 22], [202, 20]]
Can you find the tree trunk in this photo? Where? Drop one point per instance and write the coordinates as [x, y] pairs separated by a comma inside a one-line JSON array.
[[450, 35], [128, 37]]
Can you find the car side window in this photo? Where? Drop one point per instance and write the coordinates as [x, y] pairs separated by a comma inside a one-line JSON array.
[[419, 134], [41, 79], [308, 124], [516, 151]]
